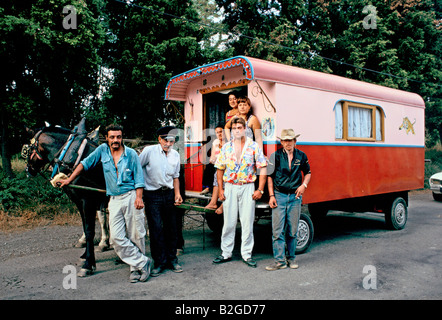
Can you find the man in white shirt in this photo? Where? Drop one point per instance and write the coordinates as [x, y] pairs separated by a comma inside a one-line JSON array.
[[161, 168]]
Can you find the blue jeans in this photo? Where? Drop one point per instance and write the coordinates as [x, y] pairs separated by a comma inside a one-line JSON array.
[[285, 219]]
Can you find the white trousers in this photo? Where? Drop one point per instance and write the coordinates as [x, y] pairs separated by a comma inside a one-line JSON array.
[[238, 200], [127, 230]]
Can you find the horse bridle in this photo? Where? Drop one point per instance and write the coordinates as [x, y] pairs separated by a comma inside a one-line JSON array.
[[29, 151]]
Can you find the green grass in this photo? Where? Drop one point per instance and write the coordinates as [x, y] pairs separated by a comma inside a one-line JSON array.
[[29, 202]]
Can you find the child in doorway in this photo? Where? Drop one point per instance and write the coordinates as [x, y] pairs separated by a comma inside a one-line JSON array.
[[216, 148]]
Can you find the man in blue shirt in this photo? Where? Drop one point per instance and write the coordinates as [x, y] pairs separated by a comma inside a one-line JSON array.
[[124, 184]]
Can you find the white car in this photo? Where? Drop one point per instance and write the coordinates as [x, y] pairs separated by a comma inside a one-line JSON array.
[[436, 186]]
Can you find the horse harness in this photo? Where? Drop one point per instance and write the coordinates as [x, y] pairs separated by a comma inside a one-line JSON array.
[[30, 151]]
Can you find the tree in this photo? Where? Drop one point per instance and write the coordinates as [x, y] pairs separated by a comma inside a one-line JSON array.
[[48, 64], [153, 41], [215, 41]]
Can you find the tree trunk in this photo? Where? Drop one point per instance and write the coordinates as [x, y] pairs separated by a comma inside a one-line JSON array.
[[6, 159], [440, 133]]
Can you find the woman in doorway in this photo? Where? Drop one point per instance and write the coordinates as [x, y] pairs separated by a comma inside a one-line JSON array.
[[253, 126], [233, 103]]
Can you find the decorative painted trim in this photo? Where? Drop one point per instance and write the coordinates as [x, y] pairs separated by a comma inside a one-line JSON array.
[[224, 86], [211, 68]]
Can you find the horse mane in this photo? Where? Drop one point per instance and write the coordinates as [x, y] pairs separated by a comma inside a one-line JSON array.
[[55, 129]]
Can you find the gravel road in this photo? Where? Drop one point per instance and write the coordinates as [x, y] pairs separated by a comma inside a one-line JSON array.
[[407, 264]]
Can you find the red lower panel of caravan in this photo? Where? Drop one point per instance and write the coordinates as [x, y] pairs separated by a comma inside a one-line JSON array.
[[341, 172], [194, 177]]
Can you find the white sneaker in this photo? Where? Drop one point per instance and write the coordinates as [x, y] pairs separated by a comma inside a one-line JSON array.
[[276, 266], [292, 264]]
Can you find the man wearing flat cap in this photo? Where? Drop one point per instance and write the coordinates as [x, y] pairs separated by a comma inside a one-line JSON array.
[[161, 168], [286, 185]]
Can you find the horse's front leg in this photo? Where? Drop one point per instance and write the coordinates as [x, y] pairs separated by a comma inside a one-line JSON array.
[[88, 213], [103, 218]]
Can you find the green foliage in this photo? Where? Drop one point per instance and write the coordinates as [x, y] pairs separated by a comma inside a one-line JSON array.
[[48, 72], [433, 154], [22, 192], [149, 48]]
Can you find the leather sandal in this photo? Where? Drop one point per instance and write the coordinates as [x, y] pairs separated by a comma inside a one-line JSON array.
[[221, 259], [250, 262]]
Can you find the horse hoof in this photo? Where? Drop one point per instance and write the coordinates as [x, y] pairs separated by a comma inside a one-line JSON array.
[[80, 245], [85, 272], [103, 247]]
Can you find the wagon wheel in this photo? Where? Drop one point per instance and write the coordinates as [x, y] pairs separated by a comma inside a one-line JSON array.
[[215, 222], [305, 233], [396, 215]]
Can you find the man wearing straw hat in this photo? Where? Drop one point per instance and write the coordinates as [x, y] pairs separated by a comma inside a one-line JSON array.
[[286, 185]]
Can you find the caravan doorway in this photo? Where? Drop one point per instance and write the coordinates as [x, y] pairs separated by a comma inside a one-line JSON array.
[[216, 105]]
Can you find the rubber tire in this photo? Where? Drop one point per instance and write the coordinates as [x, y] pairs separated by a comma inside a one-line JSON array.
[[306, 232], [396, 216], [437, 196], [215, 222]]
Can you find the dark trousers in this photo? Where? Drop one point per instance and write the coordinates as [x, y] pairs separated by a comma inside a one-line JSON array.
[[180, 212], [161, 220], [208, 176]]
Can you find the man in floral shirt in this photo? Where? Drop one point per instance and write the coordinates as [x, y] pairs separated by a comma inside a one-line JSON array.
[[237, 166]]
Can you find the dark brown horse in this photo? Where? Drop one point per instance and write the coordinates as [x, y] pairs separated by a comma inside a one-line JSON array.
[[62, 149]]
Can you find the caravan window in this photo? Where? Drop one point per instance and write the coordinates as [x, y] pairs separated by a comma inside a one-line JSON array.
[[359, 122]]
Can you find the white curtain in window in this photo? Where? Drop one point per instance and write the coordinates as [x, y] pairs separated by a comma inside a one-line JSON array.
[[378, 124], [338, 121], [359, 122]]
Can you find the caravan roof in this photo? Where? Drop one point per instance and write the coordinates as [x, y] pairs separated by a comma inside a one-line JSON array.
[[257, 69]]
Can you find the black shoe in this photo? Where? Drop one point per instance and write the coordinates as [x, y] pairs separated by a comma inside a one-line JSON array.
[[175, 267], [221, 259], [157, 271], [250, 262]]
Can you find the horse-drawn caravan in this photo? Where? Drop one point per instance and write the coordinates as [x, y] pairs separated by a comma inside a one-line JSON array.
[[365, 142]]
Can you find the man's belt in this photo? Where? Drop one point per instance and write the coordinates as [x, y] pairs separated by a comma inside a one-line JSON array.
[[239, 183], [286, 191]]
